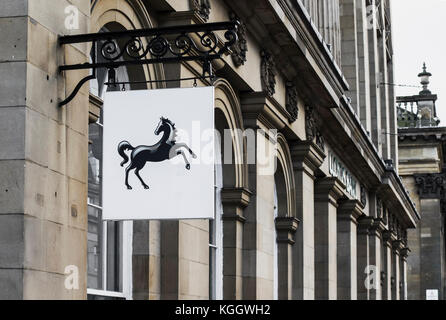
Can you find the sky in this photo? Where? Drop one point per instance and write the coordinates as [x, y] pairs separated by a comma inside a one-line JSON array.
[[419, 35]]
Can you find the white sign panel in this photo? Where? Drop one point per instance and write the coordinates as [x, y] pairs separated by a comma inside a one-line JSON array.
[[158, 158], [431, 294]]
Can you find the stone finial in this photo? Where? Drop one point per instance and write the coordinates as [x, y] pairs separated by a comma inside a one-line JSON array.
[[425, 79]]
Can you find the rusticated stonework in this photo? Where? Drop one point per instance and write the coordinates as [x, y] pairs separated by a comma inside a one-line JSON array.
[[268, 73], [240, 48]]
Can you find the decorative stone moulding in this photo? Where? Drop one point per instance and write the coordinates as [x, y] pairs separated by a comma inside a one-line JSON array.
[[292, 101], [240, 48], [268, 73], [311, 130], [202, 7]]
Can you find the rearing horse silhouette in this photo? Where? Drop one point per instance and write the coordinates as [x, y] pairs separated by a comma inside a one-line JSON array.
[[166, 149]]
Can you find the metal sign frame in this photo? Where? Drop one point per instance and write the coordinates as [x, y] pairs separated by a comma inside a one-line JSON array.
[[176, 44]]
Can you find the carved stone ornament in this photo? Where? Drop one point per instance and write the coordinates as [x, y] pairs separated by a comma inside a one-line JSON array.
[[291, 101], [268, 73], [240, 48], [363, 196], [430, 185], [385, 215], [379, 209], [202, 7], [310, 126], [311, 130], [320, 142]]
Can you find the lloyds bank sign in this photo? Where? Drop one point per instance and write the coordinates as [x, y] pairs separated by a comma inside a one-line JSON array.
[[338, 170]]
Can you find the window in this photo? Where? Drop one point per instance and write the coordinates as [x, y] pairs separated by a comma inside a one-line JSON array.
[[275, 247], [109, 243], [216, 234]]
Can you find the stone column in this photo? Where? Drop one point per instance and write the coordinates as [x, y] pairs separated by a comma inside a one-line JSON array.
[[430, 237], [375, 257], [286, 228], [327, 193], [404, 254], [387, 265], [396, 269], [306, 157], [43, 153], [234, 202], [348, 213], [258, 252], [364, 224]]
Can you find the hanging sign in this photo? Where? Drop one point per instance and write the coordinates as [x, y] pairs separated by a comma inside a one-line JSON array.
[[158, 160]]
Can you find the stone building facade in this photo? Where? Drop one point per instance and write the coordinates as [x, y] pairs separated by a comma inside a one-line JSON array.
[[332, 218], [422, 166]]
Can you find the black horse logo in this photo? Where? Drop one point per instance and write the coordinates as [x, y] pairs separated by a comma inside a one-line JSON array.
[[166, 149]]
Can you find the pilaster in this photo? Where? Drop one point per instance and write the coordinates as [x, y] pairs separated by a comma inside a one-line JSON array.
[[234, 201], [363, 254], [286, 228], [348, 213], [327, 192], [306, 157]]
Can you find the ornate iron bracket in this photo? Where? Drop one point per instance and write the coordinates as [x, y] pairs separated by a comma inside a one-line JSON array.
[[176, 44]]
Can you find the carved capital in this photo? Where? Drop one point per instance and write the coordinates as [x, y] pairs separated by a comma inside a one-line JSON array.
[[306, 154], [350, 210], [377, 228], [286, 228], [329, 189], [397, 245], [235, 200], [404, 252], [365, 223], [388, 238], [430, 186]]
